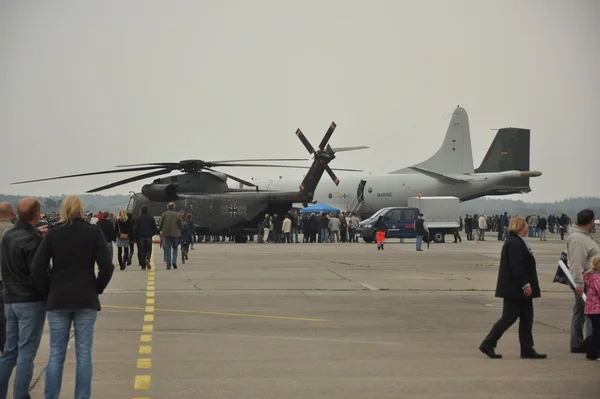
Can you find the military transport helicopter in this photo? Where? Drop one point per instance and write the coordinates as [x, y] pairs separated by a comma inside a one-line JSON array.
[[203, 192]]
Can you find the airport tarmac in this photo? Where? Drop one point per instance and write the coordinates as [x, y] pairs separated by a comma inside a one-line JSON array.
[[326, 321]]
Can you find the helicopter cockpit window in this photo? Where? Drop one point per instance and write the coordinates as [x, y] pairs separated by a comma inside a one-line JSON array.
[[130, 204]]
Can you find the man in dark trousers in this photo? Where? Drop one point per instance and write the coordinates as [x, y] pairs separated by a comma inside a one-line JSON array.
[[24, 303], [144, 230], [421, 231]]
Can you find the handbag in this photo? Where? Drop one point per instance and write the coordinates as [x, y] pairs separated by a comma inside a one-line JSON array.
[[121, 235]]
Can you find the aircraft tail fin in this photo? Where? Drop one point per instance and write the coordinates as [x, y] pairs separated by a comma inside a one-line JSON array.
[[455, 155], [510, 150]]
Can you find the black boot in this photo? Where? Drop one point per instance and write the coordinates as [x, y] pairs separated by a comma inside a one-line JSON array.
[[489, 351], [532, 354]]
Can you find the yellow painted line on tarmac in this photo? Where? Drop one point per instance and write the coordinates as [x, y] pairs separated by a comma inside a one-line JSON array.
[[215, 313], [143, 382], [146, 338], [147, 328], [144, 363]]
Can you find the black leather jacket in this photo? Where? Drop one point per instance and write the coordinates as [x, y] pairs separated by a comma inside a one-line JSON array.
[[16, 255], [145, 227]]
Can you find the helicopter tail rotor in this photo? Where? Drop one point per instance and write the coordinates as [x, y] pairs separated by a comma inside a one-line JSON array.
[[321, 158]]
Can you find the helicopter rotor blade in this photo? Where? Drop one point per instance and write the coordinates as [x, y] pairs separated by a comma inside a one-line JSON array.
[[249, 165], [305, 141], [342, 149], [327, 136], [171, 165], [254, 160], [332, 175], [131, 180], [90, 174], [347, 170], [237, 179]]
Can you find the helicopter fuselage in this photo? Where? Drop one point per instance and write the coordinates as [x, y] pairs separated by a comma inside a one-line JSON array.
[[232, 212]]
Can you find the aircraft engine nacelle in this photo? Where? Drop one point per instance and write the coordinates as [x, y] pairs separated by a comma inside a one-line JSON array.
[[160, 192]]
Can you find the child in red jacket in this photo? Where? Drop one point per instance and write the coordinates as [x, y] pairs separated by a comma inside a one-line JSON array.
[[592, 306]]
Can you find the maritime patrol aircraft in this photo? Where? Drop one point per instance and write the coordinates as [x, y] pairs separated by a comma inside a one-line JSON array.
[[449, 172]]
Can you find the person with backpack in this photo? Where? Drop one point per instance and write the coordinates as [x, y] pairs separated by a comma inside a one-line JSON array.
[[421, 231]]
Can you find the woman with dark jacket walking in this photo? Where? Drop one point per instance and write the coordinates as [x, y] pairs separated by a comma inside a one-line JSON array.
[[71, 289], [518, 285], [123, 231]]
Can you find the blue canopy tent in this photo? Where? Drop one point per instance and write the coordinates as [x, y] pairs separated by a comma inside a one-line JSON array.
[[319, 207]]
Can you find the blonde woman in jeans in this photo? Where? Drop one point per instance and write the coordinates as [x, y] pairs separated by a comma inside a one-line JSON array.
[[71, 288]]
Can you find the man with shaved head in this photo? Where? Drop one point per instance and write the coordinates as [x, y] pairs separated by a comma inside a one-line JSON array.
[[6, 216], [24, 306]]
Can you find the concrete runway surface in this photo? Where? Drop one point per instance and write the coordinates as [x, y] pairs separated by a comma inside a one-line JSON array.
[[326, 321]]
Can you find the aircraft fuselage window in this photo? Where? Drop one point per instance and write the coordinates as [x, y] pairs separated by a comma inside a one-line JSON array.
[[129, 207]]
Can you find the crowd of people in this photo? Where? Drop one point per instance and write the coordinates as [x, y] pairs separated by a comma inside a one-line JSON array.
[[324, 227], [538, 226], [48, 272]]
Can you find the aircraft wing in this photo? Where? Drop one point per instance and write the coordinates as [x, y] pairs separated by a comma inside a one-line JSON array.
[[439, 176]]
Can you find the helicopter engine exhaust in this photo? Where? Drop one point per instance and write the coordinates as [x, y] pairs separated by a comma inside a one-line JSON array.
[[160, 192]]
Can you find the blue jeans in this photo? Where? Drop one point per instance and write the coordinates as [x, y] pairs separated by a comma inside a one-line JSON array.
[[60, 326], [324, 235], [171, 244], [24, 328], [419, 242], [542, 234]]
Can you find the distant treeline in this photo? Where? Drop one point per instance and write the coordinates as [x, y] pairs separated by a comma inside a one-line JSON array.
[[92, 202], [487, 206], [568, 206]]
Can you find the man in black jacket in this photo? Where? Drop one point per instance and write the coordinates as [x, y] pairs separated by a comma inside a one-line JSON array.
[[24, 303], [108, 228], [144, 229], [517, 284], [6, 216]]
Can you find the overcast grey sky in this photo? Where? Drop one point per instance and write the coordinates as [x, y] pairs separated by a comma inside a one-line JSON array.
[[89, 85]]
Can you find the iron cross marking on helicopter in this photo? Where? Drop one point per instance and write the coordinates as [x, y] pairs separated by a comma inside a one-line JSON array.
[[199, 186], [234, 210]]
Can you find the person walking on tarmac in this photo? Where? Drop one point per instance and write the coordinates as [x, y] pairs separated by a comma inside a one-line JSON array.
[[381, 230], [143, 230], [421, 231]]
